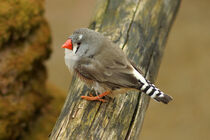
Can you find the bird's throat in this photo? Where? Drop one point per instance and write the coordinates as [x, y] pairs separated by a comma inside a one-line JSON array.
[[70, 59]]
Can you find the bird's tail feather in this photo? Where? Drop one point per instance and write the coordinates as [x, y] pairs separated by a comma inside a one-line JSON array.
[[154, 92]]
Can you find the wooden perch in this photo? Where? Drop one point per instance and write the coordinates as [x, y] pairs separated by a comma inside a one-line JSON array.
[[140, 28]]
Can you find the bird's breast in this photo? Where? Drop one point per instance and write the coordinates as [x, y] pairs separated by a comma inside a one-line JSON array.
[[84, 79]]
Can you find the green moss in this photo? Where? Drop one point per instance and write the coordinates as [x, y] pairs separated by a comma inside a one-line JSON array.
[[22, 55], [18, 18], [24, 45], [18, 111]]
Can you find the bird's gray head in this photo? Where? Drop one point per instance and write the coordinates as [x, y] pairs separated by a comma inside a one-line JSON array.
[[84, 42]]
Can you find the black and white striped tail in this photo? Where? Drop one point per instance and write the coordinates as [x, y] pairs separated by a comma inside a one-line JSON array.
[[154, 92]]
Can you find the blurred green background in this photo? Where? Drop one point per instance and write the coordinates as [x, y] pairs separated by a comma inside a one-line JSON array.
[[184, 72]]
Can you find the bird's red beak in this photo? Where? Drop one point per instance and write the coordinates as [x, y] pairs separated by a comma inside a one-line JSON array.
[[68, 44]]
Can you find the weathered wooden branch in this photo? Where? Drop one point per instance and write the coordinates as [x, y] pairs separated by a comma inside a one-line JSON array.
[[140, 28]]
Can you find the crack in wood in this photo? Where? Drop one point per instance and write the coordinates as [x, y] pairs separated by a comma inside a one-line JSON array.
[[93, 119], [129, 27]]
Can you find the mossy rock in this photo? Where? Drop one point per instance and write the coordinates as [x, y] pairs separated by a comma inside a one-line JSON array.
[[24, 46], [20, 57], [23, 76], [18, 18]]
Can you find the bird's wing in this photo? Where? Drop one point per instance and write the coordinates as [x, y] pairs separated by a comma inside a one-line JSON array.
[[115, 74]]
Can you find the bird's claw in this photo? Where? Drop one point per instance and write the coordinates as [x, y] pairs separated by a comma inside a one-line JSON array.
[[93, 98], [96, 98]]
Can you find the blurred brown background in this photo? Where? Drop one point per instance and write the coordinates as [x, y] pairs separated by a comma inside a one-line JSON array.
[[184, 72]]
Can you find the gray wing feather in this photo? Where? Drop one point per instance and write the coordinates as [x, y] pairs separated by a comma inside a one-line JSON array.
[[114, 76], [109, 66]]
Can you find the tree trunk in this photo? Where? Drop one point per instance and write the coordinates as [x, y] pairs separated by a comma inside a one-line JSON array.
[[140, 28]]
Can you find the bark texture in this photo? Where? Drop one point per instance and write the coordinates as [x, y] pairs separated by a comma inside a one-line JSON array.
[[140, 28], [24, 45]]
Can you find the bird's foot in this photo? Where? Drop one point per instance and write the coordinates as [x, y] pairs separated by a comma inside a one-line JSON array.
[[96, 98], [93, 98]]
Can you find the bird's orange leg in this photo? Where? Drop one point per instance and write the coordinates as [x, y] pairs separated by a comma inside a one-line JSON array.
[[96, 98]]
